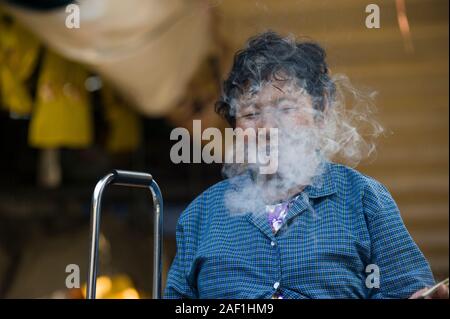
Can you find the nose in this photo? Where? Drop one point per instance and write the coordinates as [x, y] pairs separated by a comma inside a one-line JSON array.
[[268, 120]]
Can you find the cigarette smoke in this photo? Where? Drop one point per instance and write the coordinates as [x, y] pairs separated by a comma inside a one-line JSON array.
[[344, 132], [343, 128]]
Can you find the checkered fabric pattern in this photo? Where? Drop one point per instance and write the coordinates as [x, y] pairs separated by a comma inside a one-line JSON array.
[[330, 235]]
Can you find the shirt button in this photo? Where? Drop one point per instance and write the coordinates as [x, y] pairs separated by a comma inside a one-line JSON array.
[[276, 285], [272, 243]]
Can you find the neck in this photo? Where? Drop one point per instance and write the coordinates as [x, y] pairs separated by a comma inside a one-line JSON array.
[[275, 194]]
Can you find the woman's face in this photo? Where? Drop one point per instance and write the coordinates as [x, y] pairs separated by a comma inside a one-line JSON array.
[[279, 104]]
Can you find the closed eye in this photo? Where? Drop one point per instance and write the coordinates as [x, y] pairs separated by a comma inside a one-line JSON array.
[[287, 109], [250, 116]]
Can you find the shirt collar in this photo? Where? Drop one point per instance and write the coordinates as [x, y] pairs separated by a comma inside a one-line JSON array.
[[322, 185]]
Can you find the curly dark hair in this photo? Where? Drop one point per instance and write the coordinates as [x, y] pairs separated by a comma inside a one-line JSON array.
[[269, 55]]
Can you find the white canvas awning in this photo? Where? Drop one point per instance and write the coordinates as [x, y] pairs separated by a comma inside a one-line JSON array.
[[148, 49]]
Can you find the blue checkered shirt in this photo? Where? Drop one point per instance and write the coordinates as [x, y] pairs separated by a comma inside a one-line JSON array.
[[329, 238]]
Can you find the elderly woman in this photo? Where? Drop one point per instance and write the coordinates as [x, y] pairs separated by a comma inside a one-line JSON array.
[[314, 228]]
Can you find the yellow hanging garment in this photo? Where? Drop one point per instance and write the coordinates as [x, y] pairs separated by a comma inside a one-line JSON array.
[[62, 115], [124, 124], [19, 50], [15, 96]]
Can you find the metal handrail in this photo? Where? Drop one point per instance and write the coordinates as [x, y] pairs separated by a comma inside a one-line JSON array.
[[129, 179]]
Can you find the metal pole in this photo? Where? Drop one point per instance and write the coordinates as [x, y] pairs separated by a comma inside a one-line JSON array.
[[157, 238], [95, 230]]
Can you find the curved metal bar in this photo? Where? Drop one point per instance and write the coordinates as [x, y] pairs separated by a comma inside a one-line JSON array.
[[95, 230], [132, 179], [157, 238]]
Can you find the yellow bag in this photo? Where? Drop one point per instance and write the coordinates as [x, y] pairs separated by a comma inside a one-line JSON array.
[[62, 115]]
